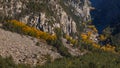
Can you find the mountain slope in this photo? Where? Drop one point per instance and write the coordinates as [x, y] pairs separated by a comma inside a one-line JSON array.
[[25, 49]]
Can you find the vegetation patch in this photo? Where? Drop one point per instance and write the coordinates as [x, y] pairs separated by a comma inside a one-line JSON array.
[[90, 60], [19, 27]]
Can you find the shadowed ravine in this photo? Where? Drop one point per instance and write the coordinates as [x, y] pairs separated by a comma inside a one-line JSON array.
[[107, 12]]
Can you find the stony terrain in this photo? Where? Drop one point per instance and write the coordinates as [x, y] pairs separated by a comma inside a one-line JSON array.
[[24, 49]]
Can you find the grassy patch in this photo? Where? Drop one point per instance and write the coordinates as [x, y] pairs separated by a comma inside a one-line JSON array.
[[90, 60]]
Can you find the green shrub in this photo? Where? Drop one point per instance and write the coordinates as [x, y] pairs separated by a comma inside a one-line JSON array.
[[9, 63], [61, 48], [90, 60]]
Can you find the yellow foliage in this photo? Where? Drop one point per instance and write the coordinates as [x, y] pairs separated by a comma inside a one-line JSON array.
[[93, 28], [84, 23], [89, 33], [84, 36], [102, 37], [108, 47], [24, 29], [72, 41], [96, 45], [68, 37], [88, 41], [53, 37]]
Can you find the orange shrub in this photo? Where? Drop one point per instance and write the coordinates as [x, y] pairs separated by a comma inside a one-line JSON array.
[[84, 36], [93, 28], [31, 31], [96, 45], [108, 47], [102, 37], [89, 33]]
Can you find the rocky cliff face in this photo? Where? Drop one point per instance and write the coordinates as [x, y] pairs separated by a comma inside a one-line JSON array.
[[47, 15]]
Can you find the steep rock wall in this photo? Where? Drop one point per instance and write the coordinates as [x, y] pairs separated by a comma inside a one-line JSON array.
[[47, 15]]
